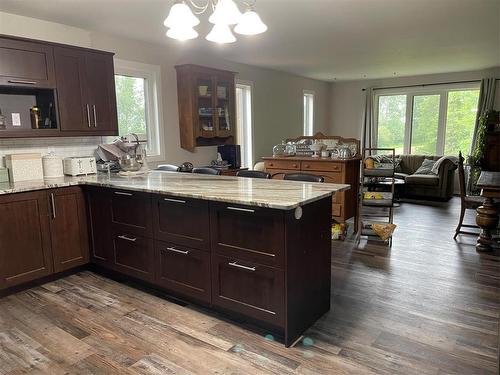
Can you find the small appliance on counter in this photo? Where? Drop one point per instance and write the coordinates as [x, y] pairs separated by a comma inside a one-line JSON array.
[[24, 167], [77, 166], [52, 166]]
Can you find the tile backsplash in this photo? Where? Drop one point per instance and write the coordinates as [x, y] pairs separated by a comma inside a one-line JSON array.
[[63, 147]]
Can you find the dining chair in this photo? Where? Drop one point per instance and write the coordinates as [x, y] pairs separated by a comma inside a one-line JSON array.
[[206, 170], [253, 174], [467, 202], [168, 168], [305, 177]]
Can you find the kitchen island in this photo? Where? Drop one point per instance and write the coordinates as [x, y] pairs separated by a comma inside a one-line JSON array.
[[257, 250]]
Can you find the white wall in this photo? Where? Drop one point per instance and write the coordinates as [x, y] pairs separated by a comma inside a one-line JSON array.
[[277, 95], [347, 98]]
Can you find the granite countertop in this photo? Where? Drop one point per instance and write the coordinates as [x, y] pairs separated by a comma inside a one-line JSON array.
[[277, 194]]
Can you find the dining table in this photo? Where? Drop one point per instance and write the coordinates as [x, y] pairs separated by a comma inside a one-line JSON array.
[[487, 215]]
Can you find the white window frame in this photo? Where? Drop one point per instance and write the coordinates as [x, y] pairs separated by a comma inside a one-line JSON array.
[[245, 131], [154, 115], [411, 92], [308, 114]]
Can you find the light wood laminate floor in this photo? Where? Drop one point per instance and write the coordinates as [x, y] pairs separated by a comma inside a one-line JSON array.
[[426, 306]]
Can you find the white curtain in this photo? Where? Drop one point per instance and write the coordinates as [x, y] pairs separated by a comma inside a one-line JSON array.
[[367, 140], [486, 102]]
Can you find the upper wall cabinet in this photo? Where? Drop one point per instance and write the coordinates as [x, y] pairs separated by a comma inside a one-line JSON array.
[[26, 64], [86, 91], [206, 99], [49, 89]]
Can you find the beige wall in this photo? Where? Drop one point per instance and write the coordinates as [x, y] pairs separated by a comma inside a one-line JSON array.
[[277, 96], [347, 98]]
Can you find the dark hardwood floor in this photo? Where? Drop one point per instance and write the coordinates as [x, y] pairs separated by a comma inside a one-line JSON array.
[[429, 305]]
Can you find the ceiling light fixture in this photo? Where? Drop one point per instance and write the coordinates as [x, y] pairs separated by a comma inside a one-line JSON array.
[[181, 20]]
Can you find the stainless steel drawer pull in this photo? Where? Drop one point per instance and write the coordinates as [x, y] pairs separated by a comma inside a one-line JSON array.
[[53, 204], [95, 116], [123, 193], [184, 252], [240, 209], [174, 200], [88, 114], [22, 82], [234, 264], [127, 238]]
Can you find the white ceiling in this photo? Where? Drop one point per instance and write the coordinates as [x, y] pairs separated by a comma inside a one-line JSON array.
[[323, 39]]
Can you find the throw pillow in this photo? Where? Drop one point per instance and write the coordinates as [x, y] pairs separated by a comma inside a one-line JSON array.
[[426, 167]]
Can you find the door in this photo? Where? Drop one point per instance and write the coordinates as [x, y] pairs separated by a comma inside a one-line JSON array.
[[99, 207], [101, 92], [26, 64], [224, 99], [68, 228], [248, 288], [74, 110], [25, 252]]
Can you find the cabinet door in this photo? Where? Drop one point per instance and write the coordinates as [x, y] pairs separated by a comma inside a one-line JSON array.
[[133, 255], [131, 212], [182, 221], [74, 108], [248, 233], [100, 83], [248, 288], [68, 228], [25, 252], [26, 64], [183, 270], [224, 106], [101, 243]]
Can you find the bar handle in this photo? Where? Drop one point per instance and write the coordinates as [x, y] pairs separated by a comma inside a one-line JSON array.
[[174, 200], [173, 249], [240, 209], [95, 115], [127, 238], [123, 193], [88, 115], [53, 205], [22, 82], [235, 264]]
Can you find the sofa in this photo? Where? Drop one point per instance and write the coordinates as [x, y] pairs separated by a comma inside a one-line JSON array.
[[426, 186]]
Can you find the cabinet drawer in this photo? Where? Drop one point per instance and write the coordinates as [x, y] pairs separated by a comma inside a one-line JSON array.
[[282, 164], [326, 166], [333, 177], [131, 212], [183, 270], [336, 209], [182, 221], [133, 255], [248, 233], [248, 288]]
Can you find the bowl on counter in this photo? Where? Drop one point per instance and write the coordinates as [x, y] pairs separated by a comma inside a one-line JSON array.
[[129, 163]]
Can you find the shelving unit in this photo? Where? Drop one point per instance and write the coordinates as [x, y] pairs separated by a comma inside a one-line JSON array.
[[380, 210]]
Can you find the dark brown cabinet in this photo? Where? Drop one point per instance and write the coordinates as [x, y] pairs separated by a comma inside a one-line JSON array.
[[206, 99], [133, 255], [99, 213], [26, 64], [25, 248], [131, 212], [249, 288], [183, 270], [83, 98], [68, 228], [182, 221]]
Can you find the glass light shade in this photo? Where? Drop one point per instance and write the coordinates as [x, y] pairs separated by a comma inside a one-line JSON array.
[[180, 15], [226, 13], [250, 24], [182, 33], [221, 34]]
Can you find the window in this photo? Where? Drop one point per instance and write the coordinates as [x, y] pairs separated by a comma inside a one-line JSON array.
[[137, 98], [437, 121], [308, 112], [244, 122]]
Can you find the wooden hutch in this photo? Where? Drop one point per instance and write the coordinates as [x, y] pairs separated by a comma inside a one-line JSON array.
[[338, 171], [206, 98]]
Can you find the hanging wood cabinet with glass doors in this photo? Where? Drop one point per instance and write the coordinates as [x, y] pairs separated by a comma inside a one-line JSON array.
[[206, 106]]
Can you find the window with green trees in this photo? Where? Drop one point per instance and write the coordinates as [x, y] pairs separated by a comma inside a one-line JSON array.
[[430, 122]]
